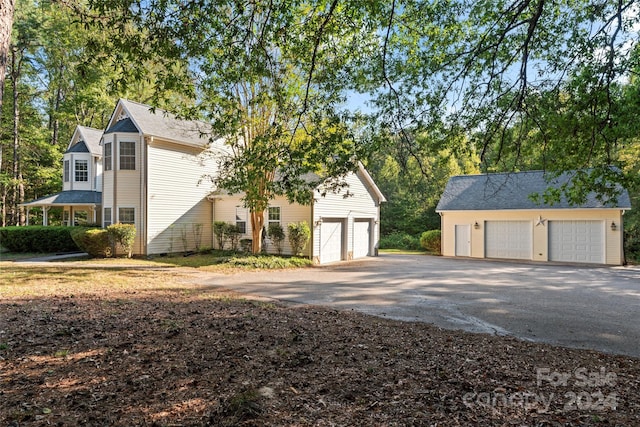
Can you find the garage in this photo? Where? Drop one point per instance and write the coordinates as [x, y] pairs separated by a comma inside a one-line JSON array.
[[508, 239], [361, 238], [576, 241], [331, 240]]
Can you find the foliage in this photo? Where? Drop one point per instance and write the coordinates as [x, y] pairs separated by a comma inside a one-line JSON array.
[[431, 241], [94, 241], [37, 239], [299, 235], [220, 229], [400, 241], [276, 234], [268, 262], [233, 234], [123, 236]]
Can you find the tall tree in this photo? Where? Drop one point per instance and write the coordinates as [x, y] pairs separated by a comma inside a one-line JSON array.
[[7, 8]]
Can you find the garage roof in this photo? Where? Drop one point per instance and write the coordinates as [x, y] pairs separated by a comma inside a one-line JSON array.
[[501, 191]]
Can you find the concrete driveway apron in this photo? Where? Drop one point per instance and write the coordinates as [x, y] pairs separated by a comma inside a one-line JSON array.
[[575, 306]]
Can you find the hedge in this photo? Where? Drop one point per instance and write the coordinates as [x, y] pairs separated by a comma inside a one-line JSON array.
[[94, 241], [431, 241], [38, 238]]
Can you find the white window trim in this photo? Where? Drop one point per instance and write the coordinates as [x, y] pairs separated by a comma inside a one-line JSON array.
[[126, 207]]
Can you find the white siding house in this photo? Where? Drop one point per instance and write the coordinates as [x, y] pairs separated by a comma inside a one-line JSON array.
[[153, 178], [80, 198], [344, 225], [150, 169]]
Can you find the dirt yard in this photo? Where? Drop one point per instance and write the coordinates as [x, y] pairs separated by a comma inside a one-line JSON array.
[[130, 347]]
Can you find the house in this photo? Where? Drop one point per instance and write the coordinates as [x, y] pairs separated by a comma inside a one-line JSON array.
[[153, 176], [81, 195], [342, 227], [493, 216]]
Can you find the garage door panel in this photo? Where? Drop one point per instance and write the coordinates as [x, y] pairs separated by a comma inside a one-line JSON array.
[[331, 241], [508, 239], [361, 238], [576, 241]]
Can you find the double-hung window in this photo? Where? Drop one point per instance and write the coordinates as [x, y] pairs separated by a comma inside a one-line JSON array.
[[67, 171], [274, 215], [127, 155], [81, 171], [241, 219], [126, 215], [106, 220], [107, 156]]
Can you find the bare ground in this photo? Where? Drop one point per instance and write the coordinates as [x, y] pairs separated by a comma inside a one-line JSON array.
[[182, 356]]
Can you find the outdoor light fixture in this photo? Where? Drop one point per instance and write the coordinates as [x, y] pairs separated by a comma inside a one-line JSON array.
[[476, 225], [614, 227], [318, 222]]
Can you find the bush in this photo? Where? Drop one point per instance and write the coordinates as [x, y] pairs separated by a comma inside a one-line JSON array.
[[220, 230], [276, 234], [299, 235], [233, 234], [400, 241], [431, 241], [94, 241], [122, 235], [38, 238]]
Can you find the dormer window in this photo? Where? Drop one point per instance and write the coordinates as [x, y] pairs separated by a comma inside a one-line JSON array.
[[81, 171]]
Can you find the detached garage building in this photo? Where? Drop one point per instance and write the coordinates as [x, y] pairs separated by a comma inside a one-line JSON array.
[[492, 216]]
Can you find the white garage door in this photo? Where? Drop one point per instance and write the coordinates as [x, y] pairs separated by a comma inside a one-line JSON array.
[[576, 241], [508, 239], [330, 241], [361, 238]]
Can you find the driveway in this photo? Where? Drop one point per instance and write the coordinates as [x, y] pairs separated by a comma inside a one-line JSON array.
[[575, 306]]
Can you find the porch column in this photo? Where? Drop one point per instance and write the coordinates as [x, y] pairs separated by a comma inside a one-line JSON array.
[[45, 215]]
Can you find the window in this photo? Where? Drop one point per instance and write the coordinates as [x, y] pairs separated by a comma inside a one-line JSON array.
[[107, 217], [127, 215], [274, 215], [107, 156], [81, 171], [66, 171], [127, 155], [241, 219]]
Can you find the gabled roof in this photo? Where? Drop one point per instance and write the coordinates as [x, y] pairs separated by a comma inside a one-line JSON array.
[[91, 139], [67, 198], [503, 191], [130, 116]]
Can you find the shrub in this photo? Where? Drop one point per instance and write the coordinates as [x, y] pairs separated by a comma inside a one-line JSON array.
[[233, 234], [122, 235], [299, 234], [276, 234], [431, 241], [94, 241], [400, 241], [220, 230], [38, 238]]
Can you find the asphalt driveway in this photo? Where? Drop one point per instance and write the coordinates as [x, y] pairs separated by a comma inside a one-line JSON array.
[[576, 306]]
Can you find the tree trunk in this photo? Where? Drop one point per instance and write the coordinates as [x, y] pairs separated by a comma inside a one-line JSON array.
[[257, 224], [17, 175], [7, 8]]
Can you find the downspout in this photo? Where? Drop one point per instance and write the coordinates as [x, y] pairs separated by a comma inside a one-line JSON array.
[[144, 200]]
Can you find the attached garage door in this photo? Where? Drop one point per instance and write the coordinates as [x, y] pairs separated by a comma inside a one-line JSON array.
[[508, 239], [330, 241], [576, 241], [361, 238]]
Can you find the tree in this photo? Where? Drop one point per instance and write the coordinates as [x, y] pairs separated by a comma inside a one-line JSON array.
[[7, 8]]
